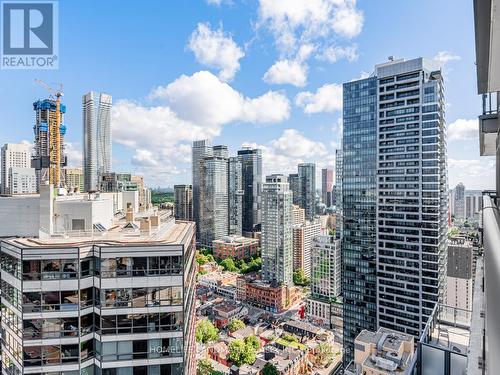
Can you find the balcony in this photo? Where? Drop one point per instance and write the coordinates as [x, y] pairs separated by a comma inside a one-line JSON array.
[[443, 345], [489, 124]]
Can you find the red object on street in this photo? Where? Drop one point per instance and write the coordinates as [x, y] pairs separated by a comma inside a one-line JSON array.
[[302, 312]]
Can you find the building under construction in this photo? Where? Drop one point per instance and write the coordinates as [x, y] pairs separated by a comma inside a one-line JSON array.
[[48, 156]]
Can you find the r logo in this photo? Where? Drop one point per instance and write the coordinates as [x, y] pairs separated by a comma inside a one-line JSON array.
[[28, 28]]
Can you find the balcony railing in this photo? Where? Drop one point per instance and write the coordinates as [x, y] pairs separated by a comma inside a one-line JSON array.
[[491, 242], [442, 348], [489, 124]]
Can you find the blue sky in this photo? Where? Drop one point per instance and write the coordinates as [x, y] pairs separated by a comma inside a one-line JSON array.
[[259, 72]]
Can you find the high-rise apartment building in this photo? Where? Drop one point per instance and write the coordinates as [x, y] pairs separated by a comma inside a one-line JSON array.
[[338, 193], [412, 207], [22, 181], [13, 156], [235, 196], [460, 274], [200, 150], [116, 297], [327, 186], [394, 198], [459, 201], [97, 142], [277, 239], [303, 236], [43, 160], [183, 202], [473, 204], [307, 188], [326, 268], [74, 178], [298, 215], [293, 181], [213, 220], [251, 166]]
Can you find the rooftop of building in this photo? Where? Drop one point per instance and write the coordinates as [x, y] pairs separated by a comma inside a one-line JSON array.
[[234, 239], [385, 338], [152, 226], [393, 350], [303, 326], [228, 306]]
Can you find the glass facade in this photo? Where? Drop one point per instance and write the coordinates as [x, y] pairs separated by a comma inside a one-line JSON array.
[[235, 197], [307, 189], [63, 309], [213, 221], [251, 164], [97, 144], [359, 210]]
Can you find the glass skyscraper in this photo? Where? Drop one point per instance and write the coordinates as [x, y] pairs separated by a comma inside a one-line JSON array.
[[251, 164], [200, 150], [359, 204], [97, 143], [235, 196], [307, 188]]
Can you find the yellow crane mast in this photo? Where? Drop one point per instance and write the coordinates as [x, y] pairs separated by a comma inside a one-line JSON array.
[[54, 136]]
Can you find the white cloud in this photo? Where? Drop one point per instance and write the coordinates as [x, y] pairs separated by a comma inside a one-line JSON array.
[[292, 143], [291, 72], [462, 129], [282, 155], [474, 173], [333, 54], [203, 99], [444, 57], [328, 98], [74, 153], [293, 21], [218, 2], [190, 108], [144, 158], [216, 49]]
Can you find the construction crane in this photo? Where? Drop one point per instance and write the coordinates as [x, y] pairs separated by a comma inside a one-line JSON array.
[[54, 135]]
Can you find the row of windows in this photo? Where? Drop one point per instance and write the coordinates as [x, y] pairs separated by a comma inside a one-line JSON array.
[[57, 269]]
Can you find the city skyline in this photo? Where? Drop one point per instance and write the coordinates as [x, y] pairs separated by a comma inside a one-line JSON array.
[[286, 115]]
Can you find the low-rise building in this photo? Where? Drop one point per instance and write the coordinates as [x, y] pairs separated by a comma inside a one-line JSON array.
[[385, 352], [274, 298], [230, 310], [235, 247], [221, 283]]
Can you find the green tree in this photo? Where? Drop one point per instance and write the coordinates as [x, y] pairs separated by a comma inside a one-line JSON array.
[[228, 265], [324, 353], [254, 265], [253, 341], [299, 278], [204, 367], [241, 353], [270, 369], [236, 324], [206, 332]]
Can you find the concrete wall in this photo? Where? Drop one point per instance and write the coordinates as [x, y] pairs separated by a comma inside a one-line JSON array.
[[19, 216]]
